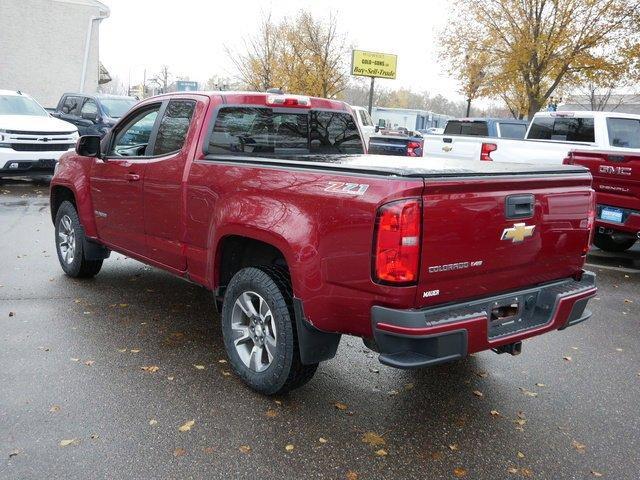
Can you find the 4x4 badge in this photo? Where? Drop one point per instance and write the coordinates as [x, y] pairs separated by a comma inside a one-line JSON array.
[[518, 232]]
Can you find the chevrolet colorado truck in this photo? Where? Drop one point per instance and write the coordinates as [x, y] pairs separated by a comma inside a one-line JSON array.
[[31, 141], [268, 201], [616, 180], [549, 139]]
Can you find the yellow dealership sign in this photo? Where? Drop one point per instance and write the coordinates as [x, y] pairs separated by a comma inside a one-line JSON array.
[[372, 64]]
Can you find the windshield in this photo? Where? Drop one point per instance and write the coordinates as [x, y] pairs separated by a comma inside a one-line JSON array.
[[117, 107], [20, 105]]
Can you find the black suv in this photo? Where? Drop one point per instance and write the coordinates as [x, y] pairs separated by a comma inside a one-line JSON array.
[[92, 114]]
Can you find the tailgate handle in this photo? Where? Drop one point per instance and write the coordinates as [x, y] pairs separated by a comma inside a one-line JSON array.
[[447, 140], [519, 206]]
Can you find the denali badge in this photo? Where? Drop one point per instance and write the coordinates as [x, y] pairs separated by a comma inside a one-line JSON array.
[[518, 233], [430, 293]]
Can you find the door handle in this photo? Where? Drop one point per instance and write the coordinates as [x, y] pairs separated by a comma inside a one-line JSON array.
[[132, 177]]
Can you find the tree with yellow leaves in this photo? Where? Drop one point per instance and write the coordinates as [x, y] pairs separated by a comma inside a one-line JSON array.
[[304, 55], [530, 47]]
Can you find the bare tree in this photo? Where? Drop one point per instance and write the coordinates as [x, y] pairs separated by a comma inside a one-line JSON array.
[[162, 79]]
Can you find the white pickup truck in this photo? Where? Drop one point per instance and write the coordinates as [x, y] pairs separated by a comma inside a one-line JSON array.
[[549, 139], [31, 140]]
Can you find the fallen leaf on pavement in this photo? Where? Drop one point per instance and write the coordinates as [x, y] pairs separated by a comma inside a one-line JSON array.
[[520, 455], [179, 452], [408, 386], [495, 413], [66, 443], [271, 413], [437, 456], [596, 474], [373, 439], [528, 393], [460, 472], [513, 470], [187, 426], [322, 440], [169, 378], [153, 421], [199, 367], [478, 393], [122, 350], [135, 350], [244, 448], [151, 368], [526, 472], [540, 385], [222, 360], [225, 373], [13, 453], [11, 314], [568, 359], [54, 408], [454, 447], [381, 453], [580, 447], [75, 359], [351, 475], [340, 406], [482, 374], [289, 448], [88, 363]]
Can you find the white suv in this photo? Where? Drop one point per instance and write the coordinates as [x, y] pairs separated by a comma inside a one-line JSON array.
[[31, 140]]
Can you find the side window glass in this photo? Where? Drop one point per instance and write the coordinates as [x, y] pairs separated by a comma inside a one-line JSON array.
[[333, 132], [132, 138], [624, 132], [71, 106], [89, 109], [174, 126]]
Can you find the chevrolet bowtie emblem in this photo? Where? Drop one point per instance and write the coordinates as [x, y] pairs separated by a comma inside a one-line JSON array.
[[518, 233]]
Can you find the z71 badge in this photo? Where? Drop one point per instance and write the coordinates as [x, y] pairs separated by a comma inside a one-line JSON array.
[[348, 188]]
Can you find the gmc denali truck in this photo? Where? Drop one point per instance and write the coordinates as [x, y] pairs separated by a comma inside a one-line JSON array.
[[616, 180], [268, 201], [31, 141]]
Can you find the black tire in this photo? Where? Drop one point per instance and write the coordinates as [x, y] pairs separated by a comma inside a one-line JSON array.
[[285, 371], [609, 244], [75, 265]]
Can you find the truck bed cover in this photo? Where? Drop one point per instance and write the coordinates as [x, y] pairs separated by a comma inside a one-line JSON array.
[[405, 166]]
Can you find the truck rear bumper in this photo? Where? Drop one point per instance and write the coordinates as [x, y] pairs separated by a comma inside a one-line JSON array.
[[425, 337], [630, 221]]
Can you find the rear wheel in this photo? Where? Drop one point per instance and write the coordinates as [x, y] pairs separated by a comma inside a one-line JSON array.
[[69, 244], [259, 331], [610, 243]]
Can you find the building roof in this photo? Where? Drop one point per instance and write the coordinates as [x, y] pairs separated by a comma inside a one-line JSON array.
[[103, 9]]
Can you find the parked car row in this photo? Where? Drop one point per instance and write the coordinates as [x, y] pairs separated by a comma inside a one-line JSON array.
[[32, 138]]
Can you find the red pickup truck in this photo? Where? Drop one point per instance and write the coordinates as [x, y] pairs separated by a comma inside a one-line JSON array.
[[268, 201], [616, 180]]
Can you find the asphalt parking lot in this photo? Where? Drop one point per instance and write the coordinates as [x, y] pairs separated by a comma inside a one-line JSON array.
[[81, 396]]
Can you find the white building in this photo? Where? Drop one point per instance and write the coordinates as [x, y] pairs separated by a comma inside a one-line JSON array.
[[408, 118], [48, 47]]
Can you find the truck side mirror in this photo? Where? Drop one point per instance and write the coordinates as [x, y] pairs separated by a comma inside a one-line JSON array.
[[89, 146], [92, 117]]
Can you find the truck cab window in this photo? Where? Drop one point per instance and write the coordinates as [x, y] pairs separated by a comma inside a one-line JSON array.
[[132, 139], [71, 106], [624, 132], [89, 110], [562, 129], [174, 126]]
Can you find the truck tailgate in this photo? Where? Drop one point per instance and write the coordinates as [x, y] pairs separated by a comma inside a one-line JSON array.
[[483, 235], [460, 148], [616, 176]]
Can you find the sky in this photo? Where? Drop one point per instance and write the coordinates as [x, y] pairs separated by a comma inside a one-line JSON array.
[[190, 36]]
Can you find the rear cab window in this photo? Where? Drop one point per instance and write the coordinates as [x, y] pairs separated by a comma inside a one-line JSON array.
[[474, 129], [515, 131], [564, 129], [265, 131], [624, 132]]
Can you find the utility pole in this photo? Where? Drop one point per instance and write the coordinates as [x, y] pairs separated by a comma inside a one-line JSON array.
[[371, 95]]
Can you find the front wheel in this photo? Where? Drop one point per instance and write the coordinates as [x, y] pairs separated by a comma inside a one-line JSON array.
[[609, 243], [259, 331], [69, 244]]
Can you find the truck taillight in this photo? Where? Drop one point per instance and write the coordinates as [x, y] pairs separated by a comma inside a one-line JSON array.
[[414, 149], [485, 152], [397, 237], [589, 223]]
